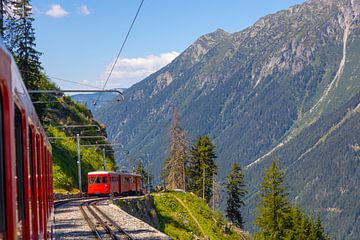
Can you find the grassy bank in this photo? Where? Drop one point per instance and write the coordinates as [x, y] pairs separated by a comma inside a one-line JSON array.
[[185, 216]]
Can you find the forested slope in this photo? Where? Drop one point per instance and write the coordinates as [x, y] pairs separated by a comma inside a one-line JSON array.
[[266, 89]]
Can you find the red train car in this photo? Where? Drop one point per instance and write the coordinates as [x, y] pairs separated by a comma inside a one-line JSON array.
[[117, 183], [102, 183], [26, 199]]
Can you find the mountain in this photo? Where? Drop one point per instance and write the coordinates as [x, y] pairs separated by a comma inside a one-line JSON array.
[[289, 85]]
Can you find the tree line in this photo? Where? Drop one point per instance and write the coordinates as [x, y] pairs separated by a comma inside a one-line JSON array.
[[193, 169], [16, 29]]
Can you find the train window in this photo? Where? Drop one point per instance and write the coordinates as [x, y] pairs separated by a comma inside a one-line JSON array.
[[92, 180], [104, 179], [31, 166], [30, 175], [38, 183], [19, 167], [98, 180], [2, 175]]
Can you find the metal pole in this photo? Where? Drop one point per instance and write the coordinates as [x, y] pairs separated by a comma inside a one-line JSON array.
[[184, 177], [79, 162], [213, 192], [148, 174], [203, 187], [78, 90], [104, 159]]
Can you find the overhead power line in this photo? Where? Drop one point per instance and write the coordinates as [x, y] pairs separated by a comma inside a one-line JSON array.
[[121, 48], [70, 81], [62, 79]]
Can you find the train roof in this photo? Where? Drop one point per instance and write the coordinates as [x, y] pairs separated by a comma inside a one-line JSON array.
[[116, 173]]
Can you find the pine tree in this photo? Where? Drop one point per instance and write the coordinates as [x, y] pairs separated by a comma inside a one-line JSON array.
[[174, 167], [3, 13], [274, 209], [202, 167], [317, 230], [300, 225], [146, 176], [20, 39], [235, 195]]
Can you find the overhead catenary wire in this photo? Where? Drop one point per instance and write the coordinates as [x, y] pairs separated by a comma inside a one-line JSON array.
[[63, 79], [75, 82], [121, 48]]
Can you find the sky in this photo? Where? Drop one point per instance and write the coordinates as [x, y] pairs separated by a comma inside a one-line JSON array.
[[80, 39]]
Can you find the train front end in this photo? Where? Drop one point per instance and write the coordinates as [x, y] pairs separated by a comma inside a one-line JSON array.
[[99, 183]]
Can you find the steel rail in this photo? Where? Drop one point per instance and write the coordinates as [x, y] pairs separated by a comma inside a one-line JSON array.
[[89, 222], [101, 221], [124, 234]]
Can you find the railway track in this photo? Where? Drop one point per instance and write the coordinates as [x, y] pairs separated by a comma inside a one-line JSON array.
[[102, 226]]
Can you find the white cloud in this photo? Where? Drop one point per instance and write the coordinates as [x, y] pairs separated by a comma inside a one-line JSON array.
[[129, 71], [84, 10], [56, 11]]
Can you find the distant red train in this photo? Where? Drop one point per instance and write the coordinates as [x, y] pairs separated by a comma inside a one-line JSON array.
[[116, 183], [26, 190]]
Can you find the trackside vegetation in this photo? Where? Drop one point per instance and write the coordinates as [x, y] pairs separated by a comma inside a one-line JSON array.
[[186, 216]]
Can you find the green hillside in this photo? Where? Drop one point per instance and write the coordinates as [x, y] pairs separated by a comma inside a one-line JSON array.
[[185, 216], [59, 115]]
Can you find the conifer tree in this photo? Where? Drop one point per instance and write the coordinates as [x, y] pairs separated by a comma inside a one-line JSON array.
[[235, 188], [174, 167], [3, 14], [20, 39], [317, 230], [201, 168], [146, 176], [300, 224], [274, 209]]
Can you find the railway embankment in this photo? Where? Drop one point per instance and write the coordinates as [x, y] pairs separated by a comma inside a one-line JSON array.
[[142, 208], [180, 216]]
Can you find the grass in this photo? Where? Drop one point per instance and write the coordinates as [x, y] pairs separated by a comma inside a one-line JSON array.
[[184, 216]]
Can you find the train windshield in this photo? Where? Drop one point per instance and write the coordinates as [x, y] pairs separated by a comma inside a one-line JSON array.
[[95, 180]]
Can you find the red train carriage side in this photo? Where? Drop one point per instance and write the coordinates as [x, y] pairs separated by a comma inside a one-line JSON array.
[[105, 183], [130, 183], [26, 202]]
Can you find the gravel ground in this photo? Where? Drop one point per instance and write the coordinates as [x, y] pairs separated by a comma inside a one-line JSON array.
[[133, 226], [70, 223]]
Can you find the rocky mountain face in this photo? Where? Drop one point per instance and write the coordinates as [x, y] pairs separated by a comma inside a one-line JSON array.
[[289, 85]]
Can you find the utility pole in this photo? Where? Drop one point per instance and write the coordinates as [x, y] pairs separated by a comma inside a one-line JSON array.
[[104, 159], [79, 162], [148, 174], [184, 177], [203, 188], [213, 192]]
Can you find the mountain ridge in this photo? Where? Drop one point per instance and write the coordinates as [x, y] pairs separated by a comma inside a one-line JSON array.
[[252, 91]]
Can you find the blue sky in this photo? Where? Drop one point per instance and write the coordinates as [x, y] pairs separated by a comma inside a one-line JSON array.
[[80, 39]]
